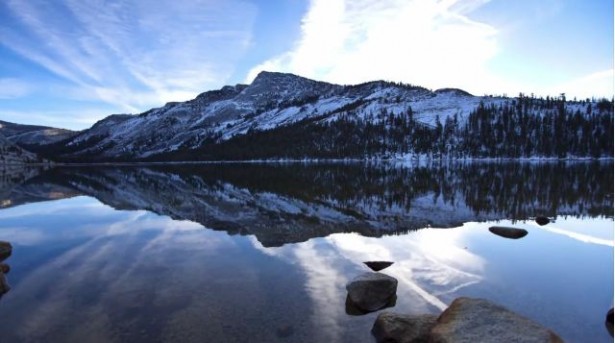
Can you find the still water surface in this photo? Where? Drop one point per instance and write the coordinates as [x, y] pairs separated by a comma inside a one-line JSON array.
[[262, 253]]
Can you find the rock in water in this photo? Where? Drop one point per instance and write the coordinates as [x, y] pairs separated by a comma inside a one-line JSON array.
[[371, 291], [542, 220], [354, 310], [402, 328], [378, 265], [508, 232], [478, 320], [5, 250]]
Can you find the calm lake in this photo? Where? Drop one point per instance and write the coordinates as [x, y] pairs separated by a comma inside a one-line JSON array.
[[262, 252]]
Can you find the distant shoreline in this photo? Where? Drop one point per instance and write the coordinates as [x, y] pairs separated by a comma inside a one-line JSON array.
[[410, 161]]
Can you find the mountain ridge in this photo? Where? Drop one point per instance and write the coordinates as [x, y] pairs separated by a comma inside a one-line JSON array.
[[408, 119], [33, 134]]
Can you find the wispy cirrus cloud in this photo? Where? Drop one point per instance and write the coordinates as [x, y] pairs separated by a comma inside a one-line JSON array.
[[128, 53], [11, 88], [434, 44], [599, 84], [75, 119]]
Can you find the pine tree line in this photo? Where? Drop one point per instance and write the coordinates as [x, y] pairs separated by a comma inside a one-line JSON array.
[[523, 127]]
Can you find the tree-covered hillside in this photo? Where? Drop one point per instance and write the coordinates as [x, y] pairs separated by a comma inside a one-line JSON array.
[[521, 127]]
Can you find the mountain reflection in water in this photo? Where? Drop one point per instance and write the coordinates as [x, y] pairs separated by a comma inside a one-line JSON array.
[[271, 200], [125, 256]]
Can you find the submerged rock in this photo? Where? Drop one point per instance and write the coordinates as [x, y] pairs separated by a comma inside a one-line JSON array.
[[5, 250], [401, 328], [285, 331], [508, 232], [371, 291], [478, 320], [378, 265], [542, 220]]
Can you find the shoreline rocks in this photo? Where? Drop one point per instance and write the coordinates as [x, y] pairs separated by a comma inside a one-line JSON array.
[[371, 291], [6, 249], [465, 320]]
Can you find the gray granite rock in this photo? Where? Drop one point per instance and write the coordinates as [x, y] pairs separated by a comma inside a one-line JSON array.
[[469, 320], [371, 291], [392, 327]]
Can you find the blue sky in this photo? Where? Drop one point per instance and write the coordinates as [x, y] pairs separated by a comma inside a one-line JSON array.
[[69, 63]]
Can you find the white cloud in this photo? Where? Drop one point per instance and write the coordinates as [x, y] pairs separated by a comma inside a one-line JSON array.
[[74, 119], [11, 88], [598, 84], [429, 43], [132, 54]]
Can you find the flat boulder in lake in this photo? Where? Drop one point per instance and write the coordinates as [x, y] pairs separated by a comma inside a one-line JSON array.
[[371, 291], [353, 310], [508, 232], [542, 220], [477, 320], [403, 328], [378, 265]]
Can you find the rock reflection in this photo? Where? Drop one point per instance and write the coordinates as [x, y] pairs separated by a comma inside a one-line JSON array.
[[378, 265]]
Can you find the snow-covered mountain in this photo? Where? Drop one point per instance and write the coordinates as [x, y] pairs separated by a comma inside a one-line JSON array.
[[195, 128], [13, 155], [33, 134], [272, 100]]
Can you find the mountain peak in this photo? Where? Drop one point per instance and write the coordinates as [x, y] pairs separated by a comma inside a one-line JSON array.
[[273, 76], [275, 86], [456, 91]]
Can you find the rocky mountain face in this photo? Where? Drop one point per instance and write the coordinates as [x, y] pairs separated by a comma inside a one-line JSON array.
[[33, 134], [11, 155], [288, 116], [14, 169], [272, 100]]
